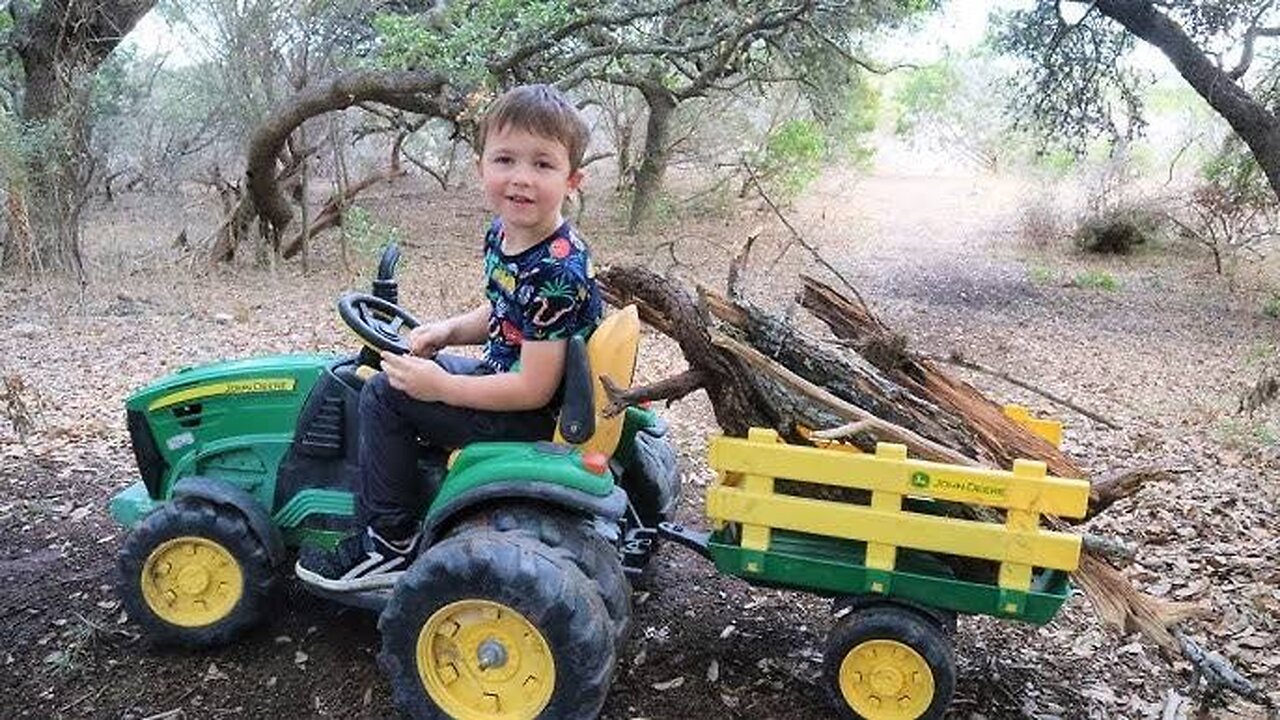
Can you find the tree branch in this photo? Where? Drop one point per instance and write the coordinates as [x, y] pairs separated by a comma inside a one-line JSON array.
[[424, 92]]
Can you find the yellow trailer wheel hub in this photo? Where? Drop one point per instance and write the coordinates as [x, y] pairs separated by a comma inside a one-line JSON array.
[[886, 680], [481, 660], [191, 581]]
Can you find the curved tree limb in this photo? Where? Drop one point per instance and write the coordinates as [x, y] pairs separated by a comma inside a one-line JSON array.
[[424, 92], [1249, 118]]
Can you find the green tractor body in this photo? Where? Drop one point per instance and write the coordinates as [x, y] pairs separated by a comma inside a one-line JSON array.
[[282, 430], [243, 461]]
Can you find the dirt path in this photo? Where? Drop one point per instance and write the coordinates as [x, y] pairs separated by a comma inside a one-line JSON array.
[[1163, 355]]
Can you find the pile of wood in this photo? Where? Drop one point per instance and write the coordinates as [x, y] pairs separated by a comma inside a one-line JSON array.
[[859, 383]]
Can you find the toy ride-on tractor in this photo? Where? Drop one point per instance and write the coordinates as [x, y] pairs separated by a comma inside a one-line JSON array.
[[888, 538], [517, 604]]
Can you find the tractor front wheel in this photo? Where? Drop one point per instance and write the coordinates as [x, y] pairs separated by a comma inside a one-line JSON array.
[[888, 663], [193, 574], [497, 626]]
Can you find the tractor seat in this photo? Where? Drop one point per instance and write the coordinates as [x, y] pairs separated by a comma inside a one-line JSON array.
[[610, 352]]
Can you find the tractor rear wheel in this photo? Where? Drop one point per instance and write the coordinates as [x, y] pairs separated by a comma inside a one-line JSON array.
[[888, 663], [496, 626], [578, 536], [193, 574], [652, 480]]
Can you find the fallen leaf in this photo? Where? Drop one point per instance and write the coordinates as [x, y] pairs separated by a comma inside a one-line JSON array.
[[671, 684]]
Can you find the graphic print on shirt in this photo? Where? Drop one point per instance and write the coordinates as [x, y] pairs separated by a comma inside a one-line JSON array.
[[546, 292]]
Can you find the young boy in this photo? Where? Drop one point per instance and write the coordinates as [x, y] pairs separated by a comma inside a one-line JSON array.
[[541, 291]]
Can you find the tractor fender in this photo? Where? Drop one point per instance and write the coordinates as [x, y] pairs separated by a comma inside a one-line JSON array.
[[610, 507], [220, 493]]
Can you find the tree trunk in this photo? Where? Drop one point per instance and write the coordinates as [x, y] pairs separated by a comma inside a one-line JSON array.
[[657, 150], [1257, 126], [61, 45]]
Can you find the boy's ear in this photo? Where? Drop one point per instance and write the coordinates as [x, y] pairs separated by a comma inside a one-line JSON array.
[[575, 179]]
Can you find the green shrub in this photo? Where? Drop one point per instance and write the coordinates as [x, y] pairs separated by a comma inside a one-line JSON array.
[[1041, 275], [1096, 280], [793, 155], [1119, 229], [1271, 306], [365, 236]]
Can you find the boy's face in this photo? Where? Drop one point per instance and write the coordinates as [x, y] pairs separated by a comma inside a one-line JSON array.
[[526, 178]]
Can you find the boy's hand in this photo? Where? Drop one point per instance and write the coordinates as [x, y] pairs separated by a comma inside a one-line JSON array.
[[429, 339], [418, 378]]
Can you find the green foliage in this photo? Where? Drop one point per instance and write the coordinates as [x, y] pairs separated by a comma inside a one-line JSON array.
[[793, 156], [13, 151], [1119, 227], [928, 93], [463, 38], [366, 236], [1096, 280], [1073, 84], [1271, 306], [1245, 435], [848, 131], [1238, 174], [27, 148], [1041, 275], [1233, 211]]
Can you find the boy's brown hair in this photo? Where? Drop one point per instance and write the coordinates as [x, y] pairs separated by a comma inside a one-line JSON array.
[[541, 110]]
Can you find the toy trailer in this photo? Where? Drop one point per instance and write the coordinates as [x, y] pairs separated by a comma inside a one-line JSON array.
[[880, 533]]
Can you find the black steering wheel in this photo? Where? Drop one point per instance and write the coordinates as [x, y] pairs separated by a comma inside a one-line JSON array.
[[380, 324]]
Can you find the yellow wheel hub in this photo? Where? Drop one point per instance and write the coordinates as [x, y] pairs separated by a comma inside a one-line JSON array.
[[191, 581], [481, 660], [886, 680]]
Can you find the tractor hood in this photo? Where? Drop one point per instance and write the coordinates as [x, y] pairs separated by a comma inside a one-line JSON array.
[[231, 421], [272, 375]]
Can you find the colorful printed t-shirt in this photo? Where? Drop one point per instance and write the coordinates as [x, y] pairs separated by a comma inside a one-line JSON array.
[[547, 292]]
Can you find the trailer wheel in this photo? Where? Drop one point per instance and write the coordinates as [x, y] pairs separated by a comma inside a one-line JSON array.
[[888, 663]]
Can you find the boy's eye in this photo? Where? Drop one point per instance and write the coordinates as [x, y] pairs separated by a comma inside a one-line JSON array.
[[501, 159], [546, 165]]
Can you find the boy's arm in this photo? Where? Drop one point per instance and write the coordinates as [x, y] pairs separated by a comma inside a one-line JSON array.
[[469, 328], [541, 368]]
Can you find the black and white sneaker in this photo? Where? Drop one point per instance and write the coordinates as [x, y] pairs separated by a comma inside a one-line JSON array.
[[360, 562]]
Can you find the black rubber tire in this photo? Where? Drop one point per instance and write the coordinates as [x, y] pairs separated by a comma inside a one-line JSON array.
[[538, 581], [584, 545], [223, 525], [652, 479], [945, 620], [889, 623]]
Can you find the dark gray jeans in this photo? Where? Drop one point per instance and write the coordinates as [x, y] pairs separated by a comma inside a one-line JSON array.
[[390, 496]]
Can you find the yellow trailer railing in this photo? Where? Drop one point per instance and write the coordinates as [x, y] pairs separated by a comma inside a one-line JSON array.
[[745, 494]]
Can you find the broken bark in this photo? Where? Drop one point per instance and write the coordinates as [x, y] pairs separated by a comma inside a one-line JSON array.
[[1002, 438]]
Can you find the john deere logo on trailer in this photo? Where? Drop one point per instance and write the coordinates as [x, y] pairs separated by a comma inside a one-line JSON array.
[[920, 479]]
